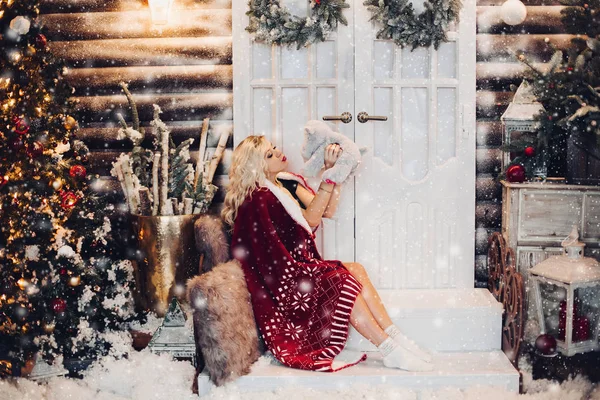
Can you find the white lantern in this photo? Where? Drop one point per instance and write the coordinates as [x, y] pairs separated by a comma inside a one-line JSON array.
[[513, 12], [160, 11], [574, 282]]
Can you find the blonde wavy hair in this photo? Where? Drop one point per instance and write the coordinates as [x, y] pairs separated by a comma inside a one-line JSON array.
[[247, 172]]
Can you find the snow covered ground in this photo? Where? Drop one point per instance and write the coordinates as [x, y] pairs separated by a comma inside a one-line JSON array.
[[146, 376]]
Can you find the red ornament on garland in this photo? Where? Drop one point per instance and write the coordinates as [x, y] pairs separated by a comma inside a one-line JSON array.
[[515, 173], [77, 171], [58, 305], [69, 199], [35, 150], [17, 143], [21, 126], [41, 40], [529, 151], [546, 344], [3, 181]]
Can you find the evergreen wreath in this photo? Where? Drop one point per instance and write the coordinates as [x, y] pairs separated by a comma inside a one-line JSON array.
[[401, 25], [272, 23]]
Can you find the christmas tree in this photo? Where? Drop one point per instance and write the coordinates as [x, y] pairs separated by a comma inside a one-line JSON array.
[[569, 88], [62, 284]]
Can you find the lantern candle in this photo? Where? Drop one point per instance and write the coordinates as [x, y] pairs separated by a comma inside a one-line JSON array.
[[160, 10]]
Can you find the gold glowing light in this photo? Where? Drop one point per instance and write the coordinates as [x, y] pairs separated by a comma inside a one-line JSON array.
[[23, 283], [75, 281]]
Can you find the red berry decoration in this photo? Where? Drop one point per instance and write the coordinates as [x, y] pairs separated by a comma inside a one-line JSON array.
[[529, 151], [546, 344], [515, 173], [35, 150], [58, 305], [21, 126], [41, 40], [69, 199], [77, 171]]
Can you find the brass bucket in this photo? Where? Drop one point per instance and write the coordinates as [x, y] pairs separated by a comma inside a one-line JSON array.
[[166, 259]]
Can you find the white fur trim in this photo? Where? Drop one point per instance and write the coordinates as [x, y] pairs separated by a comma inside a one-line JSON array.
[[290, 206]]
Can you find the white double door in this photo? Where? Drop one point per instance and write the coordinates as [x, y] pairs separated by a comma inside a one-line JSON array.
[[409, 214]]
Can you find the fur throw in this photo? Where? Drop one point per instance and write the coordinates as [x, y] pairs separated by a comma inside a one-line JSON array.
[[317, 136], [224, 328], [211, 240]]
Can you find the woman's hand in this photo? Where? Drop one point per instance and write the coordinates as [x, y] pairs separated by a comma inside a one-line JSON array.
[[332, 153]]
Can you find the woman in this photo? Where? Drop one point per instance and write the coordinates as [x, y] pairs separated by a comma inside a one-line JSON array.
[[302, 303]]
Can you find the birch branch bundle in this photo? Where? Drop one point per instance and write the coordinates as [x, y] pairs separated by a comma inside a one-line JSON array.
[[218, 154], [201, 152], [170, 184]]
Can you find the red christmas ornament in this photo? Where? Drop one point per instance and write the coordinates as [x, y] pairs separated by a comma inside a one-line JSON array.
[[529, 151], [17, 143], [77, 171], [318, 2], [58, 305], [569, 69], [69, 199], [35, 150], [515, 173], [62, 271], [21, 126], [3, 181], [546, 344], [581, 325], [41, 40]]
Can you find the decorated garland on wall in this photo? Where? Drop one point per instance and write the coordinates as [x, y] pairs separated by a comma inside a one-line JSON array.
[[272, 23], [401, 25]]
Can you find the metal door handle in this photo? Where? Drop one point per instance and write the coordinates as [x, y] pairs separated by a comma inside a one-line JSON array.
[[346, 117], [363, 117]]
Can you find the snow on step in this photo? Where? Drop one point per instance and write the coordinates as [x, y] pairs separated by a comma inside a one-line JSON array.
[[456, 370], [452, 320]]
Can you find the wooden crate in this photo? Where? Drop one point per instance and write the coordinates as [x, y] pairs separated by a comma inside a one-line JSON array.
[[583, 160]]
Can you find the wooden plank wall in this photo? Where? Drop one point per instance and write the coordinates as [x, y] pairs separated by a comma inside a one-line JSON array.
[[186, 69]]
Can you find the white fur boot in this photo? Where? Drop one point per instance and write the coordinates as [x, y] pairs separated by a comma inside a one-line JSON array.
[[408, 344], [396, 356]]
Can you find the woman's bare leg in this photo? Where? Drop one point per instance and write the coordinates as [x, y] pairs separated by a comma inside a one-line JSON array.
[[364, 322], [371, 297]]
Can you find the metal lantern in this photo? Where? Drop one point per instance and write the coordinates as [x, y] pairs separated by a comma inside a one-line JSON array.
[[518, 121], [567, 295], [173, 336]]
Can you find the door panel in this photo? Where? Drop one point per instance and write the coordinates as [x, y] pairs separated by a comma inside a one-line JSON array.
[[278, 89], [412, 203], [415, 194]]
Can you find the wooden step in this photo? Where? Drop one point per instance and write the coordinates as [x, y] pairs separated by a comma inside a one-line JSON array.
[[451, 370]]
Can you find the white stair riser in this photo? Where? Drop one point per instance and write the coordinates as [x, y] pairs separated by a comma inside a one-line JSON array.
[[450, 320], [456, 370], [444, 332]]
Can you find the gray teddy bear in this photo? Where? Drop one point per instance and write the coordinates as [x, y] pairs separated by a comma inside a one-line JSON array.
[[317, 136]]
